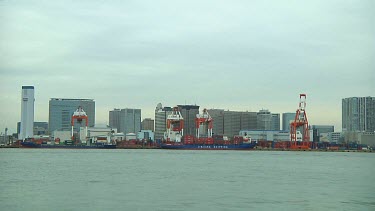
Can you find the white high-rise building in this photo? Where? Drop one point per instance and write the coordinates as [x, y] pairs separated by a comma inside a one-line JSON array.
[[27, 112]]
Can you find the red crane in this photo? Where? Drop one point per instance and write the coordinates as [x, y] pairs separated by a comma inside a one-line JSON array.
[[300, 121]]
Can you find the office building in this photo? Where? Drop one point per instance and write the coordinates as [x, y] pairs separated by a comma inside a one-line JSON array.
[[248, 120], [229, 123], [218, 121], [287, 119], [264, 120], [319, 129], [232, 123], [358, 114], [126, 120], [27, 113], [275, 121], [161, 114], [40, 128], [61, 111], [147, 124], [189, 113]]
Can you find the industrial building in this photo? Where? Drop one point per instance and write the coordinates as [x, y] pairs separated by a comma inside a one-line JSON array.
[[97, 134], [126, 120], [27, 113], [287, 119], [268, 135], [61, 111], [146, 135], [358, 114]]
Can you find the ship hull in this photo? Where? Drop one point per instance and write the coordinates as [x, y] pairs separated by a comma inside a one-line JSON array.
[[35, 145], [209, 147]]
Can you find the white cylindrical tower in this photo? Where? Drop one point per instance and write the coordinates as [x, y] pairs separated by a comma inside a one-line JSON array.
[[27, 112]]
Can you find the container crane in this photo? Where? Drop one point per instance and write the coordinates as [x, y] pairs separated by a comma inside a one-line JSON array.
[[79, 115], [204, 120], [300, 121], [175, 126]]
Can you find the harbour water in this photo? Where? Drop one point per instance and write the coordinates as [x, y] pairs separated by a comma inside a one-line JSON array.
[[58, 179]]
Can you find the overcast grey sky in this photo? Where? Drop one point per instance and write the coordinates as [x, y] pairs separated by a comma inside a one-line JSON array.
[[236, 55]]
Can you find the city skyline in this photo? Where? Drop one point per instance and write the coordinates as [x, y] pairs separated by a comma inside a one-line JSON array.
[[238, 56]]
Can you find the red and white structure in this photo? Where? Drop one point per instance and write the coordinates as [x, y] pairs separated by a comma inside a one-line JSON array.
[[300, 121], [204, 121], [79, 115], [175, 126]]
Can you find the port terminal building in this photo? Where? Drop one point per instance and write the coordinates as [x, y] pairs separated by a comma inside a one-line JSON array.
[[269, 135]]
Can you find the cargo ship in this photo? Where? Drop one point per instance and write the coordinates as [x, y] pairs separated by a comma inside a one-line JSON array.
[[30, 144], [243, 146], [174, 137]]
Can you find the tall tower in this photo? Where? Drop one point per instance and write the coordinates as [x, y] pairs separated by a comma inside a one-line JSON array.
[[27, 112]]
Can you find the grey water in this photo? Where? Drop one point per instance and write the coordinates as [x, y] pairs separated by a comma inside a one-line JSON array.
[[65, 179]]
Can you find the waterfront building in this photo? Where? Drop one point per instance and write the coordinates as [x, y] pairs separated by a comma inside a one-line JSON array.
[[189, 113], [287, 119], [269, 135], [232, 123], [147, 124], [332, 137], [275, 121], [358, 114], [27, 112], [248, 120], [161, 114], [40, 128], [264, 119], [359, 137], [126, 120], [319, 129], [229, 123], [145, 135], [61, 111]]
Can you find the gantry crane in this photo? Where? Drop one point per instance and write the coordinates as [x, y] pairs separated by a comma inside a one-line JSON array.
[[175, 126], [204, 120], [79, 115], [300, 121]]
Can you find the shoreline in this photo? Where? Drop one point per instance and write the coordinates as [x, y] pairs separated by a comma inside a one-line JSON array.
[[255, 149]]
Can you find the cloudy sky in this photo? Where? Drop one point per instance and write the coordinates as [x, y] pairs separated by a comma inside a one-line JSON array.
[[236, 55]]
